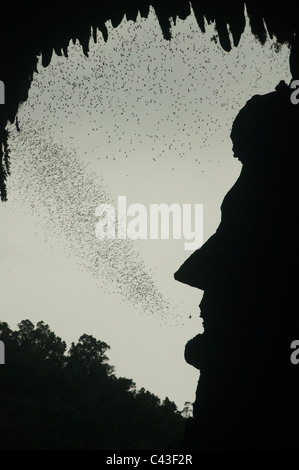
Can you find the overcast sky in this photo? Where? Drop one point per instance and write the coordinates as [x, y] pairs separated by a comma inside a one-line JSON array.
[[143, 118]]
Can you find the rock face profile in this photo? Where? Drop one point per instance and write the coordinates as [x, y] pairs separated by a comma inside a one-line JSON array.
[[247, 394]]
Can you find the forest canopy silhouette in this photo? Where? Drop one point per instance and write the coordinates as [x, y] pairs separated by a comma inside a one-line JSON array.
[[51, 399]]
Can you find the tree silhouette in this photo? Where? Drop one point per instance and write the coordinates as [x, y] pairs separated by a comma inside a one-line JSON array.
[[88, 355], [50, 399]]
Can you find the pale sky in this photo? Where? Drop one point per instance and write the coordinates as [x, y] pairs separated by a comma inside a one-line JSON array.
[[140, 117]]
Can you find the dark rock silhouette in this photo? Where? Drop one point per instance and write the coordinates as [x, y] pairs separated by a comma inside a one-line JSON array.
[[28, 31], [247, 395]]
